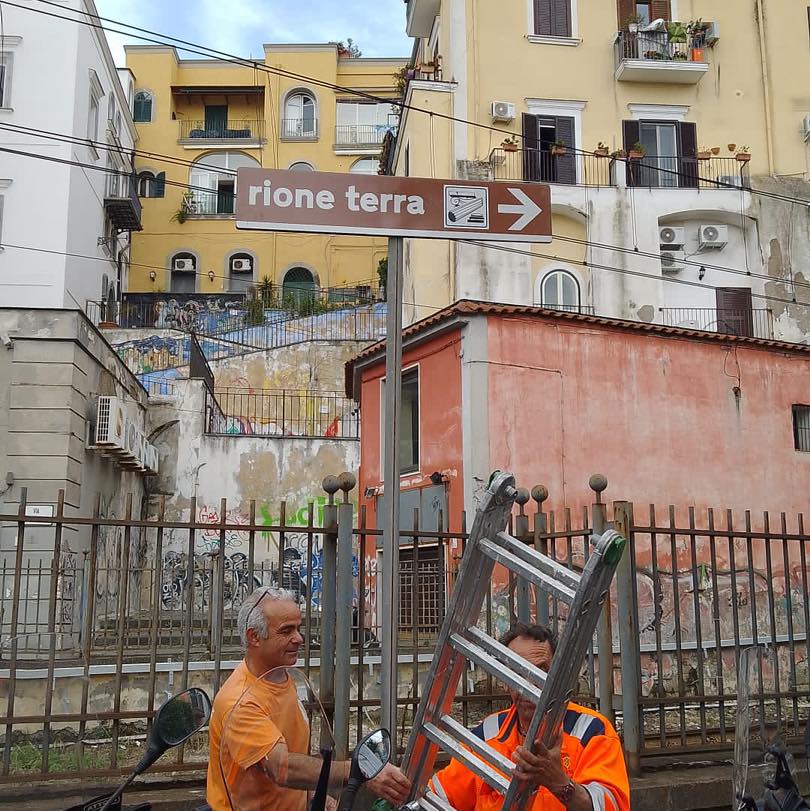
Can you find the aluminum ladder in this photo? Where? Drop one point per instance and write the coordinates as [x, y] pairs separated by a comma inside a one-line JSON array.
[[461, 642]]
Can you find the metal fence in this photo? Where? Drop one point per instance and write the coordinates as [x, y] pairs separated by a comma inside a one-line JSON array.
[[572, 168], [148, 606], [231, 130], [687, 172], [361, 134], [744, 322], [656, 46]]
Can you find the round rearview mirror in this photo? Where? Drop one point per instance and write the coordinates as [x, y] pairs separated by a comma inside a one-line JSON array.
[[181, 716], [373, 752]]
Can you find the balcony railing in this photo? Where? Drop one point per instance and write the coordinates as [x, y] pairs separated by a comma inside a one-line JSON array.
[[537, 165], [727, 321], [283, 413], [232, 130], [364, 135], [649, 56], [679, 172], [299, 128], [121, 202]]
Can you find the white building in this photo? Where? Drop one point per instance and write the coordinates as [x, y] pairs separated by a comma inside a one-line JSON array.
[[64, 227]]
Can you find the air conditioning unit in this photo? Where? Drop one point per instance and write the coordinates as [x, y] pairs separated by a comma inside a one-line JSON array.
[[672, 261], [712, 34], [111, 422], [183, 264], [503, 111], [712, 237], [672, 237], [806, 127], [242, 264]]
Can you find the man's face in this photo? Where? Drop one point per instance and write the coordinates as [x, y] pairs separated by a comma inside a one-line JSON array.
[[538, 654], [284, 639]]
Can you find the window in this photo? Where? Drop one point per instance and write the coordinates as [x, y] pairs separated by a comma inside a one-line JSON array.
[[560, 291], [217, 174], [363, 123], [183, 273], [670, 154], [299, 117], [1, 219], [552, 18], [146, 184], [94, 103], [540, 134], [142, 107], [645, 11], [299, 284], [801, 428], [5, 79], [241, 272], [409, 423], [301, 166], [366, 166], [735, 312]]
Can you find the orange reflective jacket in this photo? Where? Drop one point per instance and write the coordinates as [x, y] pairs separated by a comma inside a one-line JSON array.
[[591, 754]]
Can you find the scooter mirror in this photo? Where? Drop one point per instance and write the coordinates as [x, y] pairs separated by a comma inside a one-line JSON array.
[[181, 716], [373, 752]]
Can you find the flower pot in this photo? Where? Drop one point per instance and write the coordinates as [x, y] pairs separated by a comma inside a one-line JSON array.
[[558, 151], [715, 150], [698, 55], [510, 147], [601, 153], [743, 157], [634, 155], [704, 156]]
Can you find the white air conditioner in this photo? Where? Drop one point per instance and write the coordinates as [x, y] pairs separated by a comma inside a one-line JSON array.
[[672, 261], [712, 237], [806, 127], [503, 111], [183, 264], [672, 237], [712, 34], [242, 264], [111, 422]]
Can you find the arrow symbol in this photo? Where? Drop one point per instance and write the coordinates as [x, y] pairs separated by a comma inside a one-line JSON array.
[[527, 209]]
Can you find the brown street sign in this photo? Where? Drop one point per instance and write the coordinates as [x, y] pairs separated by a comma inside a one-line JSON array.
[[380, 205]]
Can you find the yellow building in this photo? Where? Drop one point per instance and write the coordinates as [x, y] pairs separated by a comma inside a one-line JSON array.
[[210, 117], [696, 85]]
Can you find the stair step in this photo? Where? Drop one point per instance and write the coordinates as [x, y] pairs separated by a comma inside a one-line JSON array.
[[482, 749], [538, 560], [533, 674]]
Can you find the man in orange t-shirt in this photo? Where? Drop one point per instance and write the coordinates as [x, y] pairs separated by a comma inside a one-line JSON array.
[[585, 771], [259, 734]]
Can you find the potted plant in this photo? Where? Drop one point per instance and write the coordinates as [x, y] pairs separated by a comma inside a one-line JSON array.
[[743, 154], [677, 36], [697, 32], [633, 22], [510, 144], [680, 56], [618, 154], [715, 150], [558, 148], [732, 147], [186, 208], [704, 154], [637, 151], [601, 150]]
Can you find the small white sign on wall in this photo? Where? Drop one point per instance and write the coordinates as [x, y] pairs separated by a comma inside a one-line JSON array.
[[39, 511]]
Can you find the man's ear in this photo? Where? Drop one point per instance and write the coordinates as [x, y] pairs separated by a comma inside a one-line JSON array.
[[252, 637]]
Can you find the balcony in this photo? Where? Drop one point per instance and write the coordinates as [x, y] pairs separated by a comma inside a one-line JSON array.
[[350, 137], [679, 172], [421, 14], [538, 165], [121, 203], [299, 129], [651, 57], [743, 322], [232, 133]]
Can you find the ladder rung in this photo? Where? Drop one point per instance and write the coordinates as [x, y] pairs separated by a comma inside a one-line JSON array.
[[490, 755], [473, 763], [432, 802], [540, 579], [540, 561], [494, 667], [508, 657]]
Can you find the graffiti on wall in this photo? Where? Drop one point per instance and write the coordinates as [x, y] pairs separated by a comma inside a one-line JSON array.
[[204, 313]]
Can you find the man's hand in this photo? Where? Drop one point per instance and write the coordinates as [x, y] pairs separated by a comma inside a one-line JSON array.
[[541, 768], [390, 784]]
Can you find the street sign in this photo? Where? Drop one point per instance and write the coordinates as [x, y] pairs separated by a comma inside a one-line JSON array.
[[380, 205]]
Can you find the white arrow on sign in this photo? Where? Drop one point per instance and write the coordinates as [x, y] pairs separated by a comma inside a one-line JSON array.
[[527, 209]]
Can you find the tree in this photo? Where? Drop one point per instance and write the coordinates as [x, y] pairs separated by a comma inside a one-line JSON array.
[[349, 49]]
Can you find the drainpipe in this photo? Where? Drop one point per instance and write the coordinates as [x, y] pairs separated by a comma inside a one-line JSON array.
[[766, 85]]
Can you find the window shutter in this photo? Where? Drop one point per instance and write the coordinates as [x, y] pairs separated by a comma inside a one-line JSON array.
[[625, 9], [531, 148], [566, 164], [687, 155], [661, 9], [160, 185], [735, 315], [631, 133], [542, 18], [561, 18]]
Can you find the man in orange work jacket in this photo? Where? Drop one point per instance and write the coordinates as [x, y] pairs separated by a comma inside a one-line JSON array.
[[585, 771]]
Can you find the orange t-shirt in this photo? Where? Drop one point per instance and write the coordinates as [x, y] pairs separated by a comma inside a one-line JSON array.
[[249, 718]]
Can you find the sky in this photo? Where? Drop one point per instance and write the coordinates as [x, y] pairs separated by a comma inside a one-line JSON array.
[[241, 27]]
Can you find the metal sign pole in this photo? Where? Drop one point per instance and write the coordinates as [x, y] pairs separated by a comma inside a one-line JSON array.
[[389, 618]]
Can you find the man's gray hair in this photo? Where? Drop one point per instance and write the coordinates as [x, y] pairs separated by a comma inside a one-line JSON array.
[[250, 616]]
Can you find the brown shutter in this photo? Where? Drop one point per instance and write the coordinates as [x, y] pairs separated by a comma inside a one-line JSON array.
[[661, 9], [735, 315], [687, 155], [566, 165], [561, 18], [531, 148], [542, 18], [625, 10], [631, 133]]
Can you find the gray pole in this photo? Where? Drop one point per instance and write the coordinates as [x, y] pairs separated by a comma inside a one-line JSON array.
[[343, 629], [389, 616], [328, 596], [522, 534]]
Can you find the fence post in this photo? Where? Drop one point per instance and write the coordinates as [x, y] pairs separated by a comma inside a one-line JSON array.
[[522, 534], [343, 629], [628, 638], [328, 596], [604, 631], [540, 494]]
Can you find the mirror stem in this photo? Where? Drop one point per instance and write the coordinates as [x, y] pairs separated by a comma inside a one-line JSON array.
[[119, 791]]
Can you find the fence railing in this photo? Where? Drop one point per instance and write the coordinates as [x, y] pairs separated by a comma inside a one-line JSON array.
[[541, 166], [655, 46], [361, 134], [299, 128], [743, 322], [121, 202], [231, 130], [683, 172], [283, 412]]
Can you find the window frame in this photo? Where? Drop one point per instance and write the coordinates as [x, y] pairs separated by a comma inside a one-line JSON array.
[[304, 93], [95, 95], [796, 410], [7, 65], [414, 370], [183, 254], [365, 159], [560, 272], [240, 274], [151, 96], [544, 39]]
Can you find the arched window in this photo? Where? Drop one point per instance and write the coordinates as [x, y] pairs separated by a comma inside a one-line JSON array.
[[299, 116], [142, 107], [216, 172], [366, 166], [560, 291], [241, 268], [301, 166], [298, 286], [183, 272], [151, 184]]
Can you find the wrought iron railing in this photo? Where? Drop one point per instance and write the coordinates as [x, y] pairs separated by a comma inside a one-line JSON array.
[[361, 134], [656, 46], [687, 172], [299, 128], [728, 321], [570, 168], [231, 130]]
